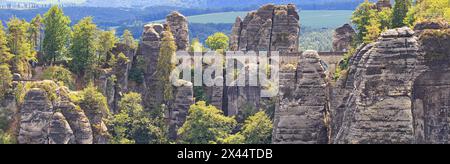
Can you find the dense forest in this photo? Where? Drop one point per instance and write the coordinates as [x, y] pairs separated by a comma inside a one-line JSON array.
[[72, 54]]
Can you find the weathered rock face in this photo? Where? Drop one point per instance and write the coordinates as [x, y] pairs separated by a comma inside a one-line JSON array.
[[379, 108], [342, 38], [184, 98], [302, 115], [180, 29], [58, 121], [78, 122], [431, 91], [270, 28], [36, 115], [243, 99], [149, 50], [59, 131], [123, 69]]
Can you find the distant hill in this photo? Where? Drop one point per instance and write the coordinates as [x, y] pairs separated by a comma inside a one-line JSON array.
[[211, 4]]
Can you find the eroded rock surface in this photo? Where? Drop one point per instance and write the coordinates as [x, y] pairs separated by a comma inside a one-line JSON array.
[[343, 38], [302, 115]]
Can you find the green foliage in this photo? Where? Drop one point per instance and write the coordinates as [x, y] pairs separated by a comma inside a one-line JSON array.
[[436, 42], [234, 139], [316, 39], [137, 70], [385, 18], [6, 138], [20, 45], [205, 125], [218, 41], [399, 12], [57, 34], [59, 74], [258, 129], [5, 80], [200, 95], [122, 59], [361, 18], [373, 29], [128, 39], [106, 42], [341, 70], [196, 46], [84, 47], [92, 101], [370, 22], [48, 86], [36, 26], [431, 10], [5, 54], [165, 63], [134, 125]]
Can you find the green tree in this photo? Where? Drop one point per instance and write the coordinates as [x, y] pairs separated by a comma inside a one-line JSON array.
[[196, 46], [257, 129], [361, 19], [205, 125], [165, 63], [432, 10], [106, 42], [134, 125], [5, 80], [373, 29], [5, 54], [399, 12], [20, 45], [57, 34], [218, 41], [59, 74], [385, 18], [84, 47], [36, 26], [128, 39]]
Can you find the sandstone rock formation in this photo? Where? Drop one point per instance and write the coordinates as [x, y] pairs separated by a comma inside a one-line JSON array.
[[78, 122], [149, 50], [178, 113], [400, 90], [342, 38], [36, 115], [59, 131], [270, 28], [46, 119], [180, 29], [379, 110], [302, 115]]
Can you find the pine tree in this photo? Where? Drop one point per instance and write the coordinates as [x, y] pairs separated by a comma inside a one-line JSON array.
[[128, 39], [5, 55], [373, 29], [20, 46], [361, 18], [36, 27], [400, 11], [84, 47], [57, 33], [165, 63], [106, 42]]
